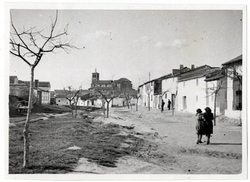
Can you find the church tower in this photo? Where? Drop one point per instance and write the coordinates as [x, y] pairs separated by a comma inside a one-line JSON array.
[[95, 77]]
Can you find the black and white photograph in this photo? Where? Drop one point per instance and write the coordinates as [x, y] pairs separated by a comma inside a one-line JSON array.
[[155, 91]]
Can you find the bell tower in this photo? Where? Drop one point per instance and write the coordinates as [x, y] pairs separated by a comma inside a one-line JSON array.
[[95, 77]]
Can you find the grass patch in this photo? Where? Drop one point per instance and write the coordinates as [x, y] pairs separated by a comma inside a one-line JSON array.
[[50, 139]]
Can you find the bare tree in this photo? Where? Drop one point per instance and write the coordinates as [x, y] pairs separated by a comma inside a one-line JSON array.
[[127, 97], [234, 73], [129, 94], [76, 101], [30, 45], [107, 97], [215, 90], [72, 96]]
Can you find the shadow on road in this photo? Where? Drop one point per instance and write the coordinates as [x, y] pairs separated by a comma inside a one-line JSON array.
[[225, 143]]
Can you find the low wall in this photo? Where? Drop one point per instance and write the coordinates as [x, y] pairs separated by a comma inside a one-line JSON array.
[[237, 114]]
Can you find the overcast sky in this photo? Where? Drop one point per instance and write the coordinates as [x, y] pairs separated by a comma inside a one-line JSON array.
[[131, 43]]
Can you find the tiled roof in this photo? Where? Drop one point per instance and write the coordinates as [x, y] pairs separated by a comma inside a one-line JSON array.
[[103, 81], [44, 84], [175, 72], [215, 77], [39, 89], [235, 60], [122, 80], [214, 74], [41, 84], [194, 73]]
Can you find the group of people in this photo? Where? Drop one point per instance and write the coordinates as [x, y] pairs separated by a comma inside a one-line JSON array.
[[163, 103], [204, 124]]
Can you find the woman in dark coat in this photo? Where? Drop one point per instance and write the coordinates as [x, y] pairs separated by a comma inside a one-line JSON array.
[[208, 117], [200, 125], [162, 105]]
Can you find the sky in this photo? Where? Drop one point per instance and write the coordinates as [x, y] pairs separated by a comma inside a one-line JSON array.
[[130, 43]]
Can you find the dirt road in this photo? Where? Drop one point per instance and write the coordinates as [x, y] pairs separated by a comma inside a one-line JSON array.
[[172, 147]]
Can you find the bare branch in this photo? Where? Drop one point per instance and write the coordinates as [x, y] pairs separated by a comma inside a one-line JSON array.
[[20, 38], [52, 30]]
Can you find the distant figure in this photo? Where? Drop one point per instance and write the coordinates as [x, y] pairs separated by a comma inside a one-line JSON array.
[[208, 117], [162, 105], [169, 104], [200, 126]]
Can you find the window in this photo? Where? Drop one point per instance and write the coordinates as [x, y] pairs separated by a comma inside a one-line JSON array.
[[166, 96], [238, 100], [237, 96], [196, 98], [197, 82], [58, 100]]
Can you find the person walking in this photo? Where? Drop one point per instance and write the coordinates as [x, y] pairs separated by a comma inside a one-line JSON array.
[[169, 104], [162, 105], [208, 117], [200, 126]]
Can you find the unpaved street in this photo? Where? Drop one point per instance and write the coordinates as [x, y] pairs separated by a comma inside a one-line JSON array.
[[172, 147]]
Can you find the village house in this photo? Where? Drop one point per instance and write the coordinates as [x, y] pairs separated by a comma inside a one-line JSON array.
[[83, 98], [192, 89], [41, 89], [164, 88], [158, 91], [142, 93], [146, 91], [233, 72], [170, 86]]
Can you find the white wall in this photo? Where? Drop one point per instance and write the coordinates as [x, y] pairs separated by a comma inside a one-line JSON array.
[[169, 87], [195, 92], [62, 101], [45, 97], [118, 101], [229, 112], [150, 94], [144, 90]]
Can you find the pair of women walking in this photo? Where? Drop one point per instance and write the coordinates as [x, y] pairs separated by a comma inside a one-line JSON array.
[[204, 125]]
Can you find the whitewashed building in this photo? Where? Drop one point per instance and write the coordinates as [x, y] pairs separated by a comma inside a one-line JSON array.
[[233, 71], [147, 94], [192, 89]]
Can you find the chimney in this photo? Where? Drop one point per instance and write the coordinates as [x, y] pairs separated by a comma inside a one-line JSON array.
[[181, 66], [192, 66], [36, 83]]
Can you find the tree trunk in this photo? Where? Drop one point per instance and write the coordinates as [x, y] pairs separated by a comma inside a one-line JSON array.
[[215, 97], [76, 109], [103, 108], [148, 102], [26, 141], [71, 108], [137, 105], [108, 109]]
